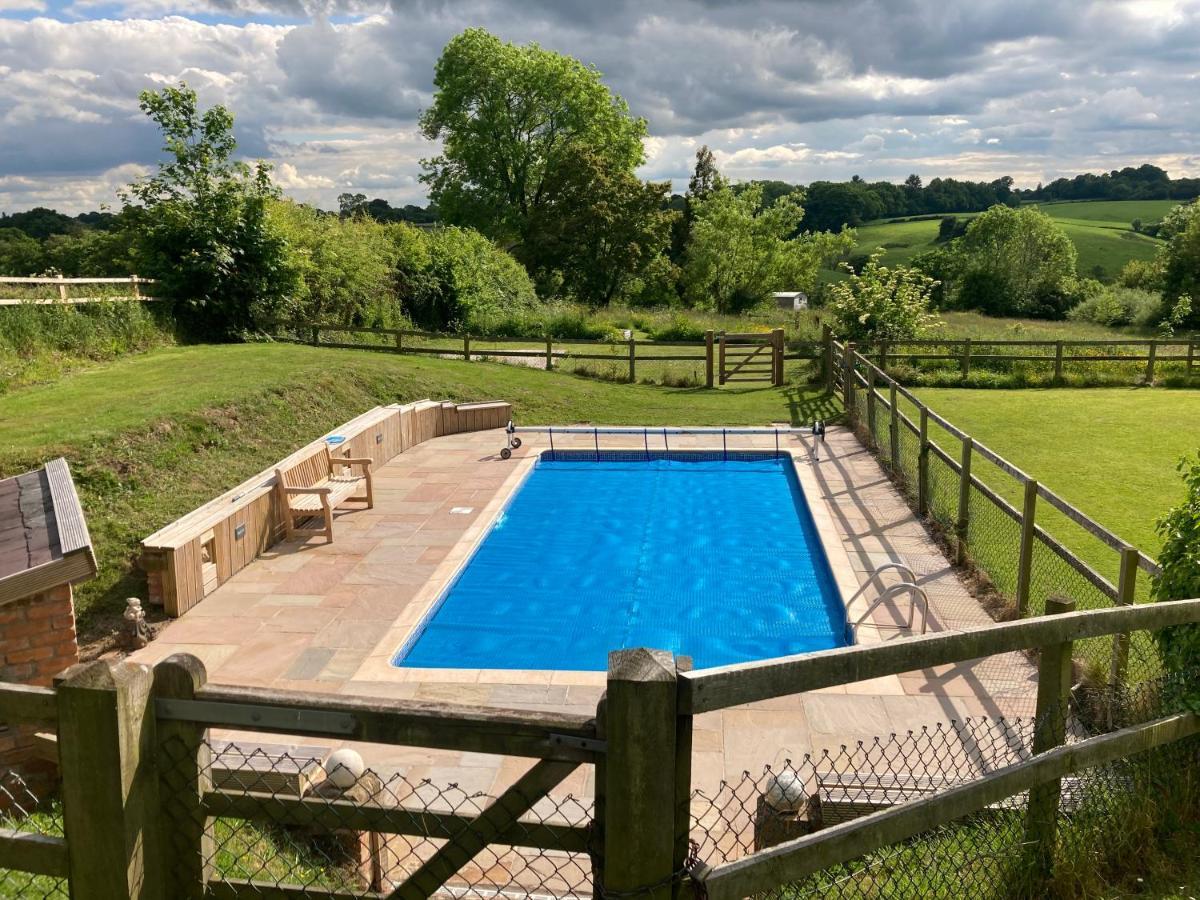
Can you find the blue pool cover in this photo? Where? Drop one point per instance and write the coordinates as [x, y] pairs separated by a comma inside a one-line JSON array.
[[714, 559]]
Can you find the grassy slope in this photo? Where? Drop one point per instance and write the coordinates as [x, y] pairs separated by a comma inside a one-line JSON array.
[[1109, 451], [1099, 229], [153, 436]]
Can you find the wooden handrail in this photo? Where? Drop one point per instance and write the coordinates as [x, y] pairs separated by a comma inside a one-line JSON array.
[[27, 703], [706, 690]]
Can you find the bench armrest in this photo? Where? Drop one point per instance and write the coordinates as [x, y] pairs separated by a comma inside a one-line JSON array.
[[348, 461], [306, 490]]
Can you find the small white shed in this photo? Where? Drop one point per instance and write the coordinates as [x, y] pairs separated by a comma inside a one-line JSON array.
[[793, 300]]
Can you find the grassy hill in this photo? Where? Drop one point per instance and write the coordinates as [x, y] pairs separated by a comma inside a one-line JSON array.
[[1100, 229]]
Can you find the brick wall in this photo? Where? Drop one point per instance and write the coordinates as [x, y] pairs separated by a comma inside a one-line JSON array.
[[37, 641]]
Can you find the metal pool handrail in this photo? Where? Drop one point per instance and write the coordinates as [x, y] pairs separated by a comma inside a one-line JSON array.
[[512, 442], [908, 585]]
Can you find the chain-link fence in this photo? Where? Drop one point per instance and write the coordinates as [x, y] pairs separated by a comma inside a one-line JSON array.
[[288, 814], [1108, 814], [27, 806], [993, 520]]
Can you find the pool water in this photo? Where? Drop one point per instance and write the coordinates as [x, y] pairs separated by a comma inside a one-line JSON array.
[[717, 559]]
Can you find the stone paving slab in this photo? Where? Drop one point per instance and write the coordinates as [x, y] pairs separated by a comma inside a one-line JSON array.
[[329, 617]]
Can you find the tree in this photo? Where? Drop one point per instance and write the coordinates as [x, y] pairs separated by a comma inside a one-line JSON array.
[[1180, 260], [1014, 262], [880, 302], [705, 177], [351, 204], [739, 251], [20, 255], [509, 118], [202, 222], [599, 227], [1179, 579]]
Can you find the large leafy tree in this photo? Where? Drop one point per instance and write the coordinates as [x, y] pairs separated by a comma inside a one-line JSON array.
[[202, 223], [739, 250], [1014, 262], [600, 226], [510, 118], [1179, 260]]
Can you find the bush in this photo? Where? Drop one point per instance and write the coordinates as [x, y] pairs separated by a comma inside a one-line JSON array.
[[346, 267], [1143, 274], [1116, 306], [881, 302], [1180, 579]]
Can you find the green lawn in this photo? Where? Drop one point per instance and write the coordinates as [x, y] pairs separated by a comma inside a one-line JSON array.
[[1100, 229], [1109, 451], [151, 437]]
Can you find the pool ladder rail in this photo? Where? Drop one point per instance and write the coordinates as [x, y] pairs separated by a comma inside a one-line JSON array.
[[907, 586]]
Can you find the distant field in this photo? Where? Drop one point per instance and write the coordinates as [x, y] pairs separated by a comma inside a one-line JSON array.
[[1100, 229]]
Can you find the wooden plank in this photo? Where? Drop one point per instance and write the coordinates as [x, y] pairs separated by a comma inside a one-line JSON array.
[[40, 854], [409, 722], [238, 889], [334, 814], [796, 859], [724, 686], [27, 703], [1028, 522], [485, 829]]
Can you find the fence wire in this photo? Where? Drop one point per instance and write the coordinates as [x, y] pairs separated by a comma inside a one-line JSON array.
[[1107, 814], [27, 805], [315, 844]]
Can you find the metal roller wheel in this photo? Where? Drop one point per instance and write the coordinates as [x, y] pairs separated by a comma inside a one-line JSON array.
[[505, 453], [516, 442]]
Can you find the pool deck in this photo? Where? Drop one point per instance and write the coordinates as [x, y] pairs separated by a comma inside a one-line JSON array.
[[328, 618]]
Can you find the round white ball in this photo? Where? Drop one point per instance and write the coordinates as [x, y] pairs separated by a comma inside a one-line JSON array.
[[785, 792], [344, 767]]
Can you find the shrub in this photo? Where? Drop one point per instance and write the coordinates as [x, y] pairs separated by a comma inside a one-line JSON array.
[[346, 267], [1143, 274], [1119, 306], [1180, 579], [881, 302]]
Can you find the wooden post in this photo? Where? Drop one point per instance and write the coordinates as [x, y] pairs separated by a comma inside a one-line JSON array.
[[640, 785], [632, 361], [184, 773], [964, 502], [777, 357], [599, 802], [467, 346], [137, 291], [721, 360], [1058, 362], [923, 466], [106, 748], [871, 406], [1191, 360], [1150, 361], [966, 359], [1025, 559], [882, 358], [549, 353], [62, 289], [399, 341], [708, 358], [316, 335], [1126, 595], [827, 356], [894, 427], [1050, 731], [683, 782], [848, 379]]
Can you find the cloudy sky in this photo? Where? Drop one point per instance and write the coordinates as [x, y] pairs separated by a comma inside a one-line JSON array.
[[329, 90]]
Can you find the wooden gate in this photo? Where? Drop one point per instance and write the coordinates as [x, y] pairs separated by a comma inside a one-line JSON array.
[[752, 357]]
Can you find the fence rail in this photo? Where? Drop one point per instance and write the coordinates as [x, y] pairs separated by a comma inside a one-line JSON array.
[[725, 357], [62, 290]]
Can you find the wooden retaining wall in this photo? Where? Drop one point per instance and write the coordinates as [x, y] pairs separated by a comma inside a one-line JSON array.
[[195, 554]]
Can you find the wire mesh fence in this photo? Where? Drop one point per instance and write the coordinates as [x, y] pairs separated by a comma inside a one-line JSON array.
[[287, 815], [28, 807], [1107, 813]]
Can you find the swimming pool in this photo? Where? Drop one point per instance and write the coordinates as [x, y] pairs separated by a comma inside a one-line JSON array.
[[710, 557]]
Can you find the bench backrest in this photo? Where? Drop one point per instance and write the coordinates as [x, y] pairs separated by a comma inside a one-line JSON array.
[[307, 471]]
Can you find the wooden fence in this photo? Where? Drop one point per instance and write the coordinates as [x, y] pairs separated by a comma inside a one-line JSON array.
[[190, 557], [1147, 355], [726, 357], [1006, 540], [139, 801], [63, 286]]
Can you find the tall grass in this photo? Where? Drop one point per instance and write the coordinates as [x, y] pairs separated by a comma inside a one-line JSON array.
[[40, 342]]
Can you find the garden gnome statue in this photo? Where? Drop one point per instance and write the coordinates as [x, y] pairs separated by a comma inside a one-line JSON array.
[[135, 632]]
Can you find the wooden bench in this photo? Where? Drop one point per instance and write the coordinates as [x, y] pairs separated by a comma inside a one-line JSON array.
[[317, 485]]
